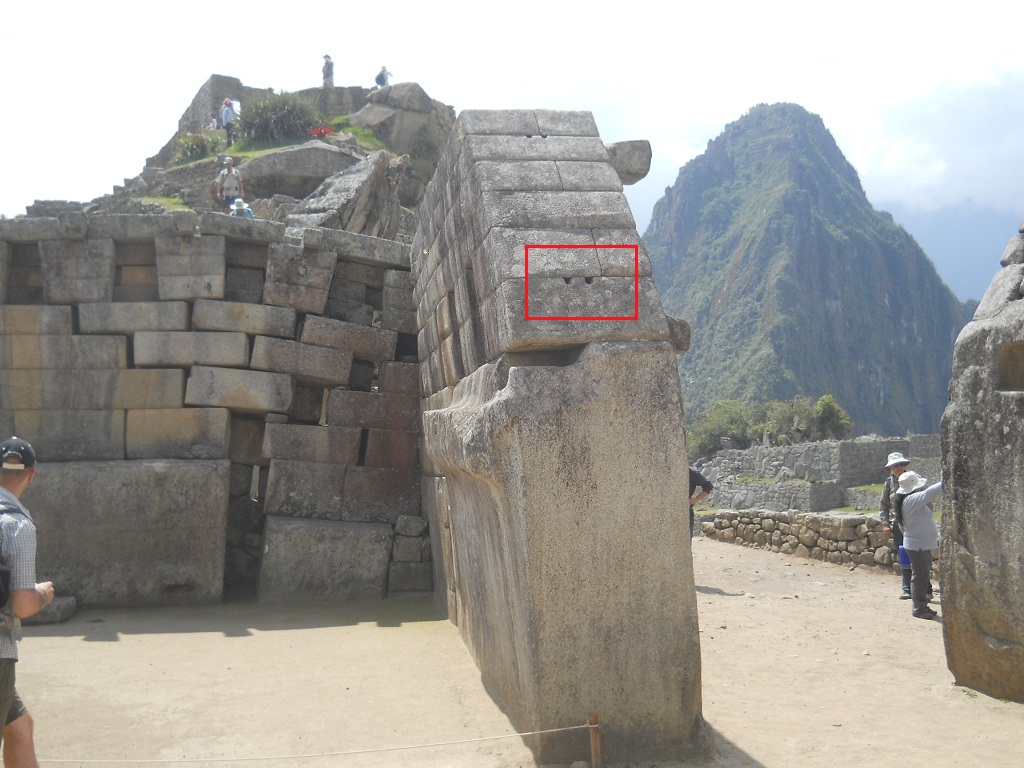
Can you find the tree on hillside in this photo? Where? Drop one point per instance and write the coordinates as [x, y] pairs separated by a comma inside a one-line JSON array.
[[729, 423]]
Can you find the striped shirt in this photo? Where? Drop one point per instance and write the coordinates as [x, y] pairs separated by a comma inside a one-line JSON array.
[[17, 552]]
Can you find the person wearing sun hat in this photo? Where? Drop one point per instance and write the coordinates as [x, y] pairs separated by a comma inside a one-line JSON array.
[[27, 598], [920, 535], [241, 209], [896, 464]]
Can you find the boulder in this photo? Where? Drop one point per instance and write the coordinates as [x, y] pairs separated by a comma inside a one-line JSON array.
[[361, 199], [295, 171], [980, 567]]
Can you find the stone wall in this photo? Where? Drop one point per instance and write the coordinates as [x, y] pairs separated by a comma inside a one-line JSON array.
[[556, 453], [856, 539], [983, 462], [813, 477], [276, 367]]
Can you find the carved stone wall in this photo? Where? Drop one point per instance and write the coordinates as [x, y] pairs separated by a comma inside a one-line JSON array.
[[220, 392], [556, 445], [983, 466]]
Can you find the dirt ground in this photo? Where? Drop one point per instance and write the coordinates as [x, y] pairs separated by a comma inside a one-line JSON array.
[[804, 664]]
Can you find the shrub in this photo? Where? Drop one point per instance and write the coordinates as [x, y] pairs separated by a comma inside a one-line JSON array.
[[195, 146], [277, 119]]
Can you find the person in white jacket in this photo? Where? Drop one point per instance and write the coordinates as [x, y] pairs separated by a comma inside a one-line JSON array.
[[920, 536]]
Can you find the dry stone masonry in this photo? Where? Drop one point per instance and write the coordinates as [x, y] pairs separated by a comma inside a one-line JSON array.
[[983, 462], [219, 403], [555, 447]]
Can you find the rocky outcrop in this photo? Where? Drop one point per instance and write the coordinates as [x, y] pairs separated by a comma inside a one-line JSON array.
[[983, 536], [296, 171], [410, 123], [363, 199]]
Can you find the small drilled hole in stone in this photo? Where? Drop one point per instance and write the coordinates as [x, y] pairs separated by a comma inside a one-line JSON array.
[[590, 280], [567, 280]]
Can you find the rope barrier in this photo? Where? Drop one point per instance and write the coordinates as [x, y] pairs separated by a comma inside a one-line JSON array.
[[586, 726]]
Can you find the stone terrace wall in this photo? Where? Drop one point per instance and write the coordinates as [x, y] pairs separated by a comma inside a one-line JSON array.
[[542, 434], [215, 401], [812, 477], [843, 539]]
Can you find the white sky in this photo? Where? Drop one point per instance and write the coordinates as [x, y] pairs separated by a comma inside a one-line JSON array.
[[925, 101]]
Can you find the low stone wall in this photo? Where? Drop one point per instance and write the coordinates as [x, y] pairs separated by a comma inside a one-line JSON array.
[[856, 539], [780, 496]]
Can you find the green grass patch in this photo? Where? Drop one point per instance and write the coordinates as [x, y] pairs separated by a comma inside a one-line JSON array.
[[365, 138], [168, 203]]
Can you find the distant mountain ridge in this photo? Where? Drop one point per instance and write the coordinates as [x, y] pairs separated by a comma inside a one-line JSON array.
[[793, 284]]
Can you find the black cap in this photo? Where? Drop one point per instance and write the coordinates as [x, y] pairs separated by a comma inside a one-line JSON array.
[[17, 454]]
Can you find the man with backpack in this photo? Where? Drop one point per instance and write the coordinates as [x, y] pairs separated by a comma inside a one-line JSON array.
[[382, 77], [897, 465], [26, 597], [229, 185]]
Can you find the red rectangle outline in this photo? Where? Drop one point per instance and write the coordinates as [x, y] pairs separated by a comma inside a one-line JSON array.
[[636, 284]]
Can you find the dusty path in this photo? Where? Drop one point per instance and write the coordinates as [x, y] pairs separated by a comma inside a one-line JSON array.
[[805, 664]]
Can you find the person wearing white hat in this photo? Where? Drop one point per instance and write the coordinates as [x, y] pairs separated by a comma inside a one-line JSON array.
[[896, 464], [920, 535], [241, 208]]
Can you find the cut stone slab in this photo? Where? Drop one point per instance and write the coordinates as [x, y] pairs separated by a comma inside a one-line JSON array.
[[178, 433], [131, 317], [138, 532], [311, 365], [187, 348], [320, 558], [240, 390], [252, 319]]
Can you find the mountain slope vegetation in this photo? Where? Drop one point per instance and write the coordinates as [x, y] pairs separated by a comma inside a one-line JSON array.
[[794, 285]]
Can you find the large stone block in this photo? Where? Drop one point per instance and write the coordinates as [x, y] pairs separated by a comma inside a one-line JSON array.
[[178, 433], [306, 489], [134, 226], [131, 317], [324, 559], [190, 267], [387, 448], [238, 228], [552, 450], [310, 364], [66, 435], [188, 348], [299, 278], [373, 410], [380, 495], [240, 390], [302, 442], [35, 320], [364, 342], [399, 378], [28, 229], [132, 533], [69, 352], [982, 537], [251, 319], [361, 249], [77, 270], [91, 389]]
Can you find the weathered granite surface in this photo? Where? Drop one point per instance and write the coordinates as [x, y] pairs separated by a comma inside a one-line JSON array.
[[555, 446], [983, 466]]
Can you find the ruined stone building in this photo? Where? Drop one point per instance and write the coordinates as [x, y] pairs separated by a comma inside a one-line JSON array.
[[493, 413]]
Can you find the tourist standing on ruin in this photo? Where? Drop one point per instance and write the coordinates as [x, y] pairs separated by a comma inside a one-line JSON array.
[[897, 465], [706, 487], [228, 115], [920, 535], [328, 71], [229, 185], [27, 598], [382, 77]]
